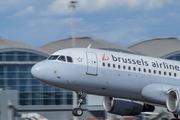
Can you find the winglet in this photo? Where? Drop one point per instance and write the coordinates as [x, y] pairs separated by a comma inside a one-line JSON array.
[[89, 46]]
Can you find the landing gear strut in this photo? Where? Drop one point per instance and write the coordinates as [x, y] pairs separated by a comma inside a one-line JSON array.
[[176, 117], [78, 111]]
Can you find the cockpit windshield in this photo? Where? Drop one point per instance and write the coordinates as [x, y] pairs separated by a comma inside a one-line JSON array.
[[62, 58], [53, 57], [69, 59], [65, 58]]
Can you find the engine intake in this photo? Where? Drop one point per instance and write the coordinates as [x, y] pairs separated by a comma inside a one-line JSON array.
[[172, 102], [125, 107]]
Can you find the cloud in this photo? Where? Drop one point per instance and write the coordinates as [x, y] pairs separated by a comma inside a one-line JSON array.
[[15, 5], [125, 36], [61, 22], [133, 4], [60, 7], [143, 20], [27, 11], [88, 29], [7, 4]]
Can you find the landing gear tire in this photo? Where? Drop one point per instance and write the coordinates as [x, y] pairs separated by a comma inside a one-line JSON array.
[[77, 112], [74, 112]]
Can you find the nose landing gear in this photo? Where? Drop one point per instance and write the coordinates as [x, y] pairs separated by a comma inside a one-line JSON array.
[[78, 111], [176, 117]]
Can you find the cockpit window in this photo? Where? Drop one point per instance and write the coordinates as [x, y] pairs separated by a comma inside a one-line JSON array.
[[62, 58], [53, 57], [69, 59]]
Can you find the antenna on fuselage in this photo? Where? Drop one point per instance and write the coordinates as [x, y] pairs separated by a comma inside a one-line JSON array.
[[89, 46]]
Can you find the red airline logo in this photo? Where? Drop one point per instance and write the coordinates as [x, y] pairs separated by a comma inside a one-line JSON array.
[[105, 58]]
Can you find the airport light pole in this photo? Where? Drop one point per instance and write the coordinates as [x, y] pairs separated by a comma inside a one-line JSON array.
[[73, 39], [73, 33]]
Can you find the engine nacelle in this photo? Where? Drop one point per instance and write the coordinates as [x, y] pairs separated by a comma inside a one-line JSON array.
[[173, 102], [125, 107]]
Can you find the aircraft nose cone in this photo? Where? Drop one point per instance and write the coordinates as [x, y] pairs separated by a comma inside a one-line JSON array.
[[37, 71]]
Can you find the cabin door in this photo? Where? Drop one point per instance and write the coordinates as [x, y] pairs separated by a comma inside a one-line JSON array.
[[91, 63]]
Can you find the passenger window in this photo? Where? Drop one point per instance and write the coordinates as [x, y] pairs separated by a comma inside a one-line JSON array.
[[69, 59], [108, 64], [139, 69], [164, 73], [175, 75], [134, 68], [124, 67], [119, 66], [103, 64], [53, 57], [129, 68], [62, 58], [149, 70], [114, 66], [154, 71], [160, 72], [144, 70], [169, 73]]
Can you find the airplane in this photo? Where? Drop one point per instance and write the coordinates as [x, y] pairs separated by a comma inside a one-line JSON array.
[[130, 83]]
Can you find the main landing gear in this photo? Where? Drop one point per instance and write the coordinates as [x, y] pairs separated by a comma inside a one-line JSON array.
[[78, 111]]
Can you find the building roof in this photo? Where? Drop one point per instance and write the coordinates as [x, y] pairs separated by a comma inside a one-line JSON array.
[[83, 42], [158, 47], [8, 45]]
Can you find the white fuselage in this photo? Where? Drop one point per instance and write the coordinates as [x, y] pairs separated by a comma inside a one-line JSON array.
[[112, 74]]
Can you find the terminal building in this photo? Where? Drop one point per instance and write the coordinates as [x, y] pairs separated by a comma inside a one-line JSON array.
[[19, 89]]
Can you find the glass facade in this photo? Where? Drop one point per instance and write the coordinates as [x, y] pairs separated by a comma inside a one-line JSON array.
[[20, 56], [175, 57], [31, 91]]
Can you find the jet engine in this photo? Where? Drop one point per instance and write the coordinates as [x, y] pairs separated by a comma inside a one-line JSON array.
[[125, 107], [173, 102]]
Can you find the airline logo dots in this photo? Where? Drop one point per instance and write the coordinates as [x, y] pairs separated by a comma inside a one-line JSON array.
[[105, 58]]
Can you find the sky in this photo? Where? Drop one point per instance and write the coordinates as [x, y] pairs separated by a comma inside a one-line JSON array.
[[124, 22]]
